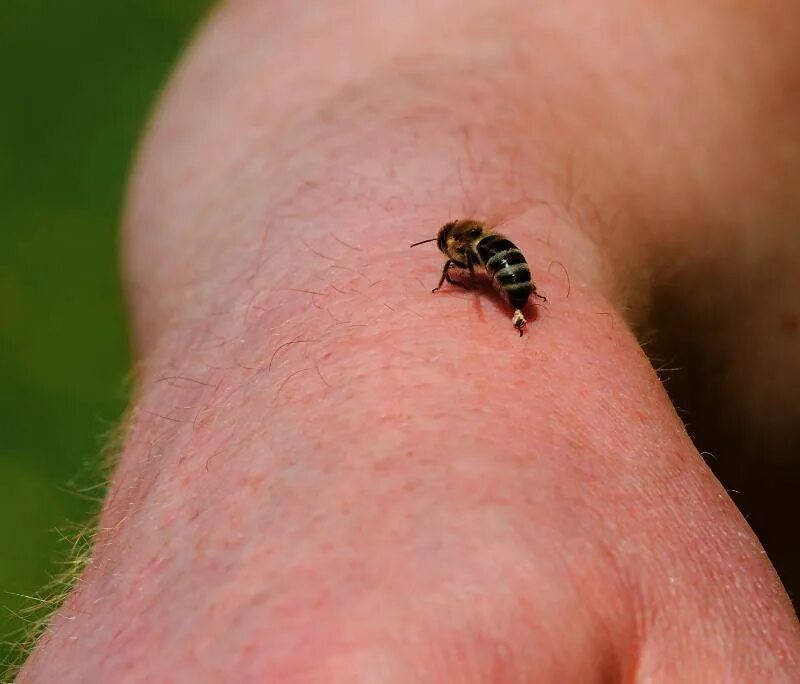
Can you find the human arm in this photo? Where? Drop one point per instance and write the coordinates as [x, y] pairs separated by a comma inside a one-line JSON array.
[[330, 473]]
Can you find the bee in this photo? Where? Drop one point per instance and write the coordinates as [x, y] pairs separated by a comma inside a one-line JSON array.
[[468, 244]]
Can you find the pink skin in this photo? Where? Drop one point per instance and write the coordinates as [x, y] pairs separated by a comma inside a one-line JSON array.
[[332, 475]]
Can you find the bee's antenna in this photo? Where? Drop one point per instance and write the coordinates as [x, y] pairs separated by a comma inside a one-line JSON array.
[[423, 242]]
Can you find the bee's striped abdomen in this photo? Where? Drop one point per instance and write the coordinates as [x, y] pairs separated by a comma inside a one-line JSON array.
[[505, 263]]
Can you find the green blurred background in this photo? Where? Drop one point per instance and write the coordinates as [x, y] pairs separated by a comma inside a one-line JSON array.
[[78, 80]]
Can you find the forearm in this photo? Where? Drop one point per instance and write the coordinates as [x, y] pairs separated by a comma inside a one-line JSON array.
[[332, 473]]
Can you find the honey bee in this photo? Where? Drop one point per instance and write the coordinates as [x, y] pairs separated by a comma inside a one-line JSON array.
[[468, 244]]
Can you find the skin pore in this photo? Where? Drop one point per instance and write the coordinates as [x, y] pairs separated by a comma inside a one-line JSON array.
[[331, 474]]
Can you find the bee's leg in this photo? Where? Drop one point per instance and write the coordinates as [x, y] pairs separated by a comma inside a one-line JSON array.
[[534, 293], [471, 268], [456, 282], [446, 276]]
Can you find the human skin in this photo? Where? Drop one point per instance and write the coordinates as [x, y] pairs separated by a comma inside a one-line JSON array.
[[331, 474]]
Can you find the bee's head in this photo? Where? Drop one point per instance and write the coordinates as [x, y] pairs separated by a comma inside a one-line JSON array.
[[454, 234], [445, 232]]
